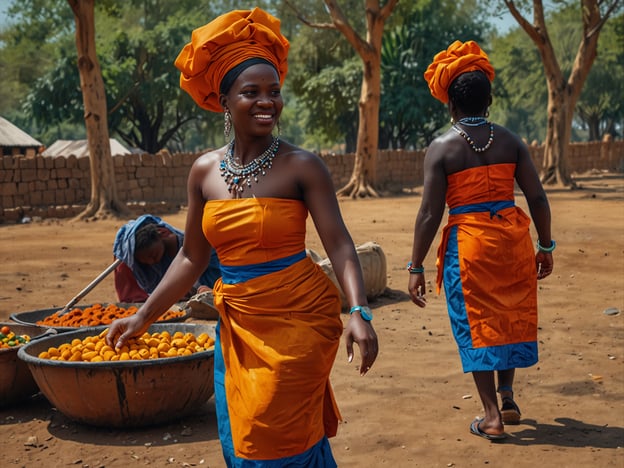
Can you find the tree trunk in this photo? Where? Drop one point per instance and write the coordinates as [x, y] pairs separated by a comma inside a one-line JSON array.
[[563, 94], [363, 178], [104, 202], [362, 182], [555, 167]]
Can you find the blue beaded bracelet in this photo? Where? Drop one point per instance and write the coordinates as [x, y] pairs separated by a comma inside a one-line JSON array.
[[553, 244], [415, 270]]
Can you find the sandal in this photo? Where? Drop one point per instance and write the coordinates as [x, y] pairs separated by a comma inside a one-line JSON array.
[[510, 411], [475, 428]]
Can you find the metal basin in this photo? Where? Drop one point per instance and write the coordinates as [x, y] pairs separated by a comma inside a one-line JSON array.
[[16, 381], [124, 393]]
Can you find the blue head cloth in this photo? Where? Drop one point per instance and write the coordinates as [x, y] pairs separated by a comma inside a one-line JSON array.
[[148, 276]]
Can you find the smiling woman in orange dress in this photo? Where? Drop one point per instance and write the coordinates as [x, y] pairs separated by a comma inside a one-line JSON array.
[[486, 258], [279, 327]]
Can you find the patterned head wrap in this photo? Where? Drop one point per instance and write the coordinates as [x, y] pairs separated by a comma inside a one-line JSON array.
[[225, 42], [450, 63]]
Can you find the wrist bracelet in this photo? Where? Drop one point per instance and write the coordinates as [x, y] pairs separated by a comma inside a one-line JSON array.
[[415, 270], [553, 244]]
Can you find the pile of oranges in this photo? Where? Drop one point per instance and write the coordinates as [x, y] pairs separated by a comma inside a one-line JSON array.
[[147, 346], [97, 314]]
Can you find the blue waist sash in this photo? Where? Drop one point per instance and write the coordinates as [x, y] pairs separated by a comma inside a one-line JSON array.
[[492, 207], [241, 273]]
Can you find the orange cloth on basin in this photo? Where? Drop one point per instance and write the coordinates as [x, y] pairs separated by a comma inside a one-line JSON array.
[[448, 64], [220, 45], [279, 332]]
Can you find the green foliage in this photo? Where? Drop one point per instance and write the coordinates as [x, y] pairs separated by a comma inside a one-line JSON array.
[[30, 44], [324, 77], [600, 109], [138, 41], [331, 98], [409, 115], [520, 90]]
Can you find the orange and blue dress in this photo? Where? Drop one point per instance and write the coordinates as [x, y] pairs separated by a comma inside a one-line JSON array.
[[486, 261], [278, 334]]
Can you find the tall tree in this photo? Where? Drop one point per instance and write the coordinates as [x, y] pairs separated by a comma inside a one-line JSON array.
[[362, 181], [563, 93], [104, 201], [600, 108]]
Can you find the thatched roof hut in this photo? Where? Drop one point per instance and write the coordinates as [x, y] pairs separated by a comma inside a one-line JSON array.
[[14, 140], [80, 148]]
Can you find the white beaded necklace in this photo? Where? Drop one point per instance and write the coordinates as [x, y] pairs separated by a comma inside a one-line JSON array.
[[236, 176], [475, 122]]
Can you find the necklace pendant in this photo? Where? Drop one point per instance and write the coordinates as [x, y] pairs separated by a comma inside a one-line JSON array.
[[236, 175]]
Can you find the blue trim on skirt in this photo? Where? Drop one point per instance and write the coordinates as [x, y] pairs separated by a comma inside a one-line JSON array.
[[491, 358], [241, 273]]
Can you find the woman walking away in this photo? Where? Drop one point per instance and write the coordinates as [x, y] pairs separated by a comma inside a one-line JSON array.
[[486, 258]]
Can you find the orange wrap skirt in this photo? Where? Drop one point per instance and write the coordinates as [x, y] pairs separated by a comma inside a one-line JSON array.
[[486, 261], [278, 335]]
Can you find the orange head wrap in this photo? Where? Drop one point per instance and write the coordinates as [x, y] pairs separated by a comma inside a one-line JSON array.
[[450, 63], [220, 45]]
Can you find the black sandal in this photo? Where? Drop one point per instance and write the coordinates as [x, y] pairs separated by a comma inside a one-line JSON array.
[[510, 412]]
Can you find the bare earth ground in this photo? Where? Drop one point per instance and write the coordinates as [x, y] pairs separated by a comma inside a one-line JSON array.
[[415, 406]]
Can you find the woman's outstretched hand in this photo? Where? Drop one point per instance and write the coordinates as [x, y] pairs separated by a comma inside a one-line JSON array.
[[416, 288], [362, 332], [121, 330], [544, 264]]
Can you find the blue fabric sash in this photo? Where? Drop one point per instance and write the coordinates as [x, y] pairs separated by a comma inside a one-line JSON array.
[[493, 207], [241, 273]]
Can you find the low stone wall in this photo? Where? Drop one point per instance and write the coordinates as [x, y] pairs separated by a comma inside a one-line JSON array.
[[60, 187]]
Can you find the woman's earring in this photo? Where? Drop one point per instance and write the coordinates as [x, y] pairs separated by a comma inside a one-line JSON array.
[[487, 112], [227, 123], [452, 121]]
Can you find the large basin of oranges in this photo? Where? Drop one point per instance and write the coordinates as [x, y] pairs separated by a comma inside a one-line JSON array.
[[155, 345], [165, 374], [89, 316]]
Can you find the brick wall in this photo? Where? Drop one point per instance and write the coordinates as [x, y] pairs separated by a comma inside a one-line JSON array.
[[59, 187]]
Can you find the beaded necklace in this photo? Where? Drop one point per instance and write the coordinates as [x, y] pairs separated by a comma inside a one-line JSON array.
[[237, 175], [475, 122]]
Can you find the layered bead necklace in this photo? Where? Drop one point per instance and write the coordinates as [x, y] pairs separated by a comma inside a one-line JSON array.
[[236, 175], [475, 122]]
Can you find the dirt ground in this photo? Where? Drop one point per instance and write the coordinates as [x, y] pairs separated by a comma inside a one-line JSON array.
[[415, 406]]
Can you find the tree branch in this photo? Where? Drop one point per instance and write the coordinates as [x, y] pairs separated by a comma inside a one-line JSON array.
[[387, 9], [307, 22]]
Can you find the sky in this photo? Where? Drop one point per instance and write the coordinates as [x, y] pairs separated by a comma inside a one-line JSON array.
[[4, 5]]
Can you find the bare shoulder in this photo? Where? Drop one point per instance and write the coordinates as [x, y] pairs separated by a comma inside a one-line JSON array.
[[209, 158], [290, 151], [299, 159], [503, 133], [446, 146]]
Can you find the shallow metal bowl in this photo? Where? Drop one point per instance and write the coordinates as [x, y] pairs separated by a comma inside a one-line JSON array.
[[124, 393], [16, 381]]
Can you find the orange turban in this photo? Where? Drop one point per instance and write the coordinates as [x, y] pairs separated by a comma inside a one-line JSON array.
[[225, 42], [450, 63]]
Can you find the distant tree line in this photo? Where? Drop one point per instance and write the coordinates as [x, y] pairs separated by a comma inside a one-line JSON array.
[[138, 41]]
